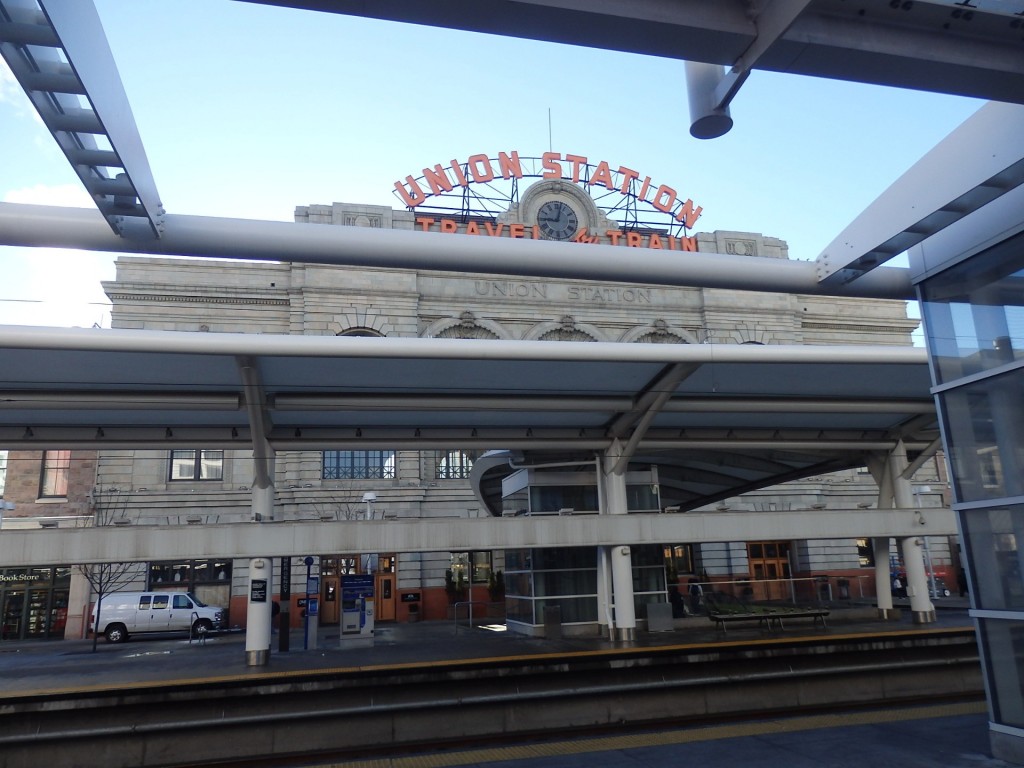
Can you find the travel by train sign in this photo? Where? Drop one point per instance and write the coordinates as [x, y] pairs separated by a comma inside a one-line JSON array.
[[460, 196]]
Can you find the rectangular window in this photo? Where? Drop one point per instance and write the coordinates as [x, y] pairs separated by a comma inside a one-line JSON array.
[[54, 481], [866, 553], [358, 465], [197, 465], [471, 565]]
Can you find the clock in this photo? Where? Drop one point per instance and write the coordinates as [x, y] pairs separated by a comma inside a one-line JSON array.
[[557, 220]]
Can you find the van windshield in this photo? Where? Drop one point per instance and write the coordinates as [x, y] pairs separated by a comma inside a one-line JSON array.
[[197, 601]]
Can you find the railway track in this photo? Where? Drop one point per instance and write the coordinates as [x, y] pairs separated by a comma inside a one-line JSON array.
[[414, 708]]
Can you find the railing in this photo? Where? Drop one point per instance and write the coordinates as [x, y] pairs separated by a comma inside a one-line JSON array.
[[804, 590], [468, 604]]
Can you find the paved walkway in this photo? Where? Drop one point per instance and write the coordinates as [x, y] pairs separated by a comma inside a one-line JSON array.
[[65, 666]]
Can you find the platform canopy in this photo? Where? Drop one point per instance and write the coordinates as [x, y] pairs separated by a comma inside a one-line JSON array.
[[718, 419]]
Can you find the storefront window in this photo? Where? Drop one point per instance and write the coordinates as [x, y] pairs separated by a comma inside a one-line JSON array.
[[33, 603], [186, 574]]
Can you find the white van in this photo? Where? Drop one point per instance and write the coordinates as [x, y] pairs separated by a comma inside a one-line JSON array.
[[122, 614]]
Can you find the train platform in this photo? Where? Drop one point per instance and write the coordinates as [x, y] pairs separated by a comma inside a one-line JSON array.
[[436, 690], [939, 736], [48, 668]]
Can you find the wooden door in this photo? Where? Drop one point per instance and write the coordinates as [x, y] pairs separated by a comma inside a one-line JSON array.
[[330, 604], [385, 597]]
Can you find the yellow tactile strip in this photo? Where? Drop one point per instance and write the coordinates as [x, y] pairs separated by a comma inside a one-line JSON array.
[[258, 676], [665, 738]]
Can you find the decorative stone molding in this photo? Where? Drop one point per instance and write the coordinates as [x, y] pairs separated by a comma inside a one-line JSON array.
[[566, 329], [465, 326], [658, 332], [360, 319]]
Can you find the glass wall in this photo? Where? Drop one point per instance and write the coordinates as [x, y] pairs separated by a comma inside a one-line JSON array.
[[974, 312], [537, 578], [974, 322]]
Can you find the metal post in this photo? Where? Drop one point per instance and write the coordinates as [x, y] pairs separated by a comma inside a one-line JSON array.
[[284, 619], [305, 621]]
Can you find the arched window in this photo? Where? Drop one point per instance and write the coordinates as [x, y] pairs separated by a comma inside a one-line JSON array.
[[454, 465]]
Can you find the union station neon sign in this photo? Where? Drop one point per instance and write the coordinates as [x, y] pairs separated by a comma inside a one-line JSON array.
[[480, 169]]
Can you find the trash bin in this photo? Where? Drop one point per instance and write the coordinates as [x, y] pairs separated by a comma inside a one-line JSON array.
[[414, 612], [824, 589], [844, 588], [553, 622]]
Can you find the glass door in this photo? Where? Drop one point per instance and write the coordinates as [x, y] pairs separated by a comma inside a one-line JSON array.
[[13, 612]]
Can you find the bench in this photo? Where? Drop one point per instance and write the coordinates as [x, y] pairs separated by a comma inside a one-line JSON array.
[[723, 609]]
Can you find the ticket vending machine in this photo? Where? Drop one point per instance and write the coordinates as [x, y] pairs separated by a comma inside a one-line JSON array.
[[357, 610]]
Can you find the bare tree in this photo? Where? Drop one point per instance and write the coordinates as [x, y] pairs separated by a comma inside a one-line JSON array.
[[109, 508], [336, 507]]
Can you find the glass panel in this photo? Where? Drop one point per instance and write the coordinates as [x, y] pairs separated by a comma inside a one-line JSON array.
[[54, 482], [160, 602], [58, 613], [519, 609], [37, 613], [991, 537], [554, 583], [552, 498], [481, 567], [1003, 642], [183, 465], [648, 579], [454, 465], [518, 560], [985, 432], [572, 609], [144, 602], [642, 497], [358, 465], [974, 312], [13, 611], [211, 465]]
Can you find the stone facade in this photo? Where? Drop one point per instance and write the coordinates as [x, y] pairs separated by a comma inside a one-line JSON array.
[[305, 299]]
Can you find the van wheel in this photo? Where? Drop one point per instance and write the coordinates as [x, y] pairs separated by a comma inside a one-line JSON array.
[[116, 633], [201, 627]]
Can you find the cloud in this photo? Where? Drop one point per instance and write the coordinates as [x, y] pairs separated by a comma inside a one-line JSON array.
[[9, 88], [66, 195]]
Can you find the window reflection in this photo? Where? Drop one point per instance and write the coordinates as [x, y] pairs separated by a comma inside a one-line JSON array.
[[974, 312]]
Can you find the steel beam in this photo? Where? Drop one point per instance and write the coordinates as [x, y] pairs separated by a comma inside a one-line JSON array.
[[55, 227], [58, 52], [980, 161]]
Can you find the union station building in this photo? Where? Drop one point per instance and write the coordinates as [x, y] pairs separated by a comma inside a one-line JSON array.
[[338, 487]]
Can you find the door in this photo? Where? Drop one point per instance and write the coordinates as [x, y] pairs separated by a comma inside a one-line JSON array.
[[769, 568], [159, 615], [330, 604], [385, 597], [179, 615], [13, 613]]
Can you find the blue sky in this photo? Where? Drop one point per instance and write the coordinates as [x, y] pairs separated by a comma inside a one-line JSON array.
[[248, 111]]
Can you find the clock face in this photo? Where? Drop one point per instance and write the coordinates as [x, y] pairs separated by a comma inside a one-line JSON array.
[[557, 220]]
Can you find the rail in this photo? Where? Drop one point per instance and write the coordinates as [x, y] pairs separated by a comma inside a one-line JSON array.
[[469, 611]]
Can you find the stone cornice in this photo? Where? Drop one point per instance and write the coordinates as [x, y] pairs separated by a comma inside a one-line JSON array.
[[163, 298]]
